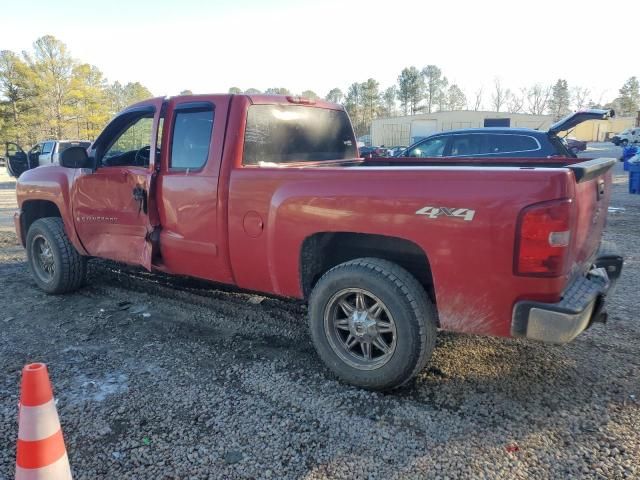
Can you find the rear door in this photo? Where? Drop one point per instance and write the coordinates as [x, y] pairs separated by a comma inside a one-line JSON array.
[[114, 212], [187, 193]]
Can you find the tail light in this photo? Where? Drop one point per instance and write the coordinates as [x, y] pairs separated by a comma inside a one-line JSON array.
[[543, 239]]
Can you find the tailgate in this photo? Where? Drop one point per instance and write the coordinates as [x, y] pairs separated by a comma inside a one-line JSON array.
[[592, 194]]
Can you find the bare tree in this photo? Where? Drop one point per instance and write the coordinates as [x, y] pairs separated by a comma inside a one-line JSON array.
[[499, 96], [538, 98], [477, 104], [515, 102], [580, 97]]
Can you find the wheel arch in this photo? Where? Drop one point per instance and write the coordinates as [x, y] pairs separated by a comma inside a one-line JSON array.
[[34, 209], [324, 250]]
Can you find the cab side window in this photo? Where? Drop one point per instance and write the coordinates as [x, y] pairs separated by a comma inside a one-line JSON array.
[[48, 146], [131, 146], [432, 147], [192, 130]]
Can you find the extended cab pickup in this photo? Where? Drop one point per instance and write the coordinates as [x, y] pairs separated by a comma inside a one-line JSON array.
[[268, 193]]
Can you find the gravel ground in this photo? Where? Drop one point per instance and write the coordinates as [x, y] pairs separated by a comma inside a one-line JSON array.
[[165, 378]]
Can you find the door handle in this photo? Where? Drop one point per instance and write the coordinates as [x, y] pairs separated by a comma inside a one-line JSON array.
[[140, 196]]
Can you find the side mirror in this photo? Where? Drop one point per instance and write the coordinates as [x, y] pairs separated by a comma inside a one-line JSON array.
[[75, 157]]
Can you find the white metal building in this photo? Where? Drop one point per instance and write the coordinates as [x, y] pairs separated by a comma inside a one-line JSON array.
[[407, 129]]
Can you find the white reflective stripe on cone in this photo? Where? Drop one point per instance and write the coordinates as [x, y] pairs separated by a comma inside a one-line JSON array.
[[58, 470], [38, 422]]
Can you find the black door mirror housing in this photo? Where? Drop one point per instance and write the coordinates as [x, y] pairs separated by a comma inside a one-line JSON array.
[[75, 157]]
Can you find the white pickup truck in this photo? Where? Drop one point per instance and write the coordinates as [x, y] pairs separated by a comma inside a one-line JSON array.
[[624, 138], [43, 153]]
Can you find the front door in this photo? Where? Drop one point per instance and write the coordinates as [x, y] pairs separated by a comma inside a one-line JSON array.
[[17, 160], [113, 210]]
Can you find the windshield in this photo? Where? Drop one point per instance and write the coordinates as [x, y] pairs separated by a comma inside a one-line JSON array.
[[292, 133]]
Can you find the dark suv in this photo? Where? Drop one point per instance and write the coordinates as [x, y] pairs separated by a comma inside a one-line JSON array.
[[502, 141]]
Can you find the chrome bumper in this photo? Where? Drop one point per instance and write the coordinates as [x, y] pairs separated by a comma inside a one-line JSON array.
[[582, 304]]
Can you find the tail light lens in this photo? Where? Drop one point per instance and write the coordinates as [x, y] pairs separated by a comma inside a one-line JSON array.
[[543, 239]]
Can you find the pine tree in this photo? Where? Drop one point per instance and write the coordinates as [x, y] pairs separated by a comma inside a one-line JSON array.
[[629, 99], [410, 89], [335, 95], [560, 100]]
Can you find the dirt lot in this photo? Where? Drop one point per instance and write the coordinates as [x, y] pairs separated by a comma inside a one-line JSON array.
[[166, 378]]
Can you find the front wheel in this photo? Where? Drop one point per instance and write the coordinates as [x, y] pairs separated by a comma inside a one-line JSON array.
[[372, 323], [56, 265], [624, 143]]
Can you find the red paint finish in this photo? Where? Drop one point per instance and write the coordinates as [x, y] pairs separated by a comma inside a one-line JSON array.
[[246, 225]]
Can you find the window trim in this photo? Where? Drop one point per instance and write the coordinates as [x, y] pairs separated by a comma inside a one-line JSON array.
[[493, 153], [182, 108]]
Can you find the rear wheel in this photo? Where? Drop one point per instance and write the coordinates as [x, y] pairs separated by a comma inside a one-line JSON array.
[[372, 323], [56, 265]]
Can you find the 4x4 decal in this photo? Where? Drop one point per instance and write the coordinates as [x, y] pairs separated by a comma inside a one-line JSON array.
[[435, 212]]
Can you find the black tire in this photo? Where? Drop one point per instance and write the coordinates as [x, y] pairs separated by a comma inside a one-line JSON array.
[[402, 295], [69, 268], [624, 143]]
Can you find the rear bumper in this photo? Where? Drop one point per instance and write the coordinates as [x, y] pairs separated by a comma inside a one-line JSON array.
[[583, 303]]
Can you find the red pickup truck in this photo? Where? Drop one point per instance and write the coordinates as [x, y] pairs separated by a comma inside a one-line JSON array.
[[268, 193]]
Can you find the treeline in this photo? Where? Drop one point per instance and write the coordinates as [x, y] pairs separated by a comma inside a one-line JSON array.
[[46, 93], [428, 90]]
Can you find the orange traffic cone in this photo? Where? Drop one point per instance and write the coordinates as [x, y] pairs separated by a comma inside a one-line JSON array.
[[41, 454]]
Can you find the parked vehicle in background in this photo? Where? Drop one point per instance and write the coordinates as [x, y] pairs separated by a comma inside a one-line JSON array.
[[267, 193], [42, 153], [624, 138], [575, 146], [395, 150], [368, 152], [503, 141]]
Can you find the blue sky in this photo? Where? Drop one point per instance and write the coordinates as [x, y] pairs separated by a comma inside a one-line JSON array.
[[209, 46]]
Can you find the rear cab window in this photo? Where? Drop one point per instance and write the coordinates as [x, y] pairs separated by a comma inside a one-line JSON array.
[[62, 146], [281, 134]]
